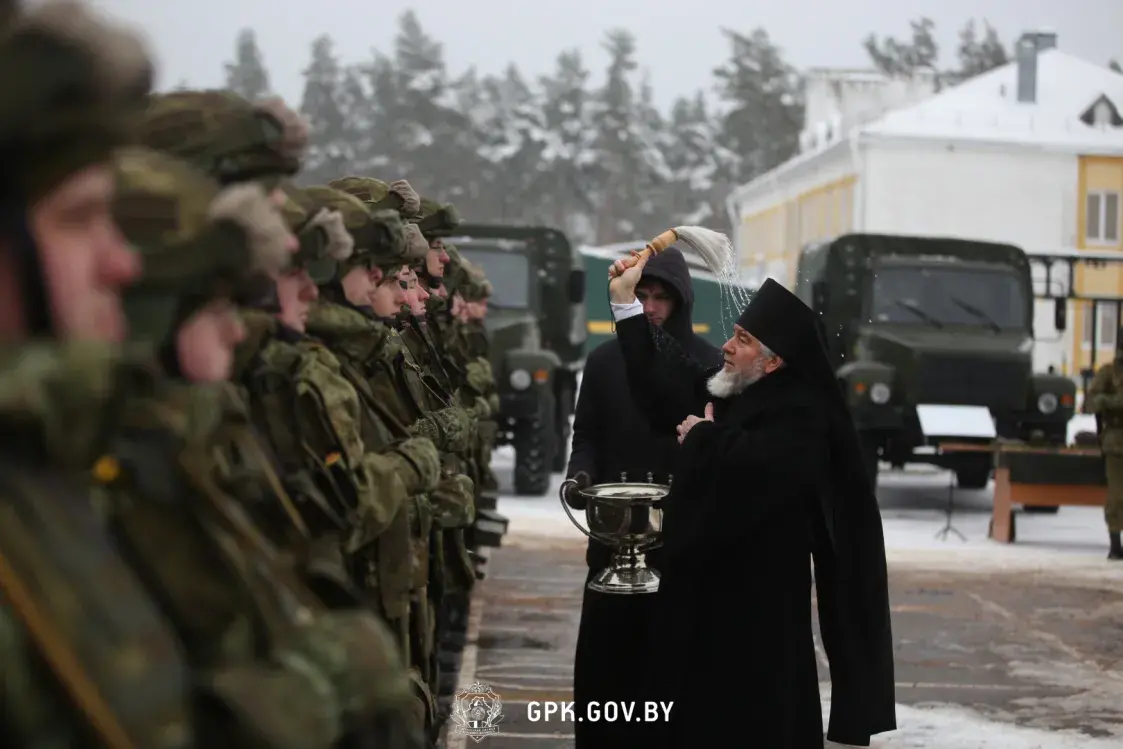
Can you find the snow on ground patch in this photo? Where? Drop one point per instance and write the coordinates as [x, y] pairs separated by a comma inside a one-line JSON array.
[[1070, 544], [948, 727]]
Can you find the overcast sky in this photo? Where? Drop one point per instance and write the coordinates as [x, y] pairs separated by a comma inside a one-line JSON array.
[[679, 40]]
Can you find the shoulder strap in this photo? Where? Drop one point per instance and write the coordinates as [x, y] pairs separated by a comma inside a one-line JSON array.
[[356, 378]]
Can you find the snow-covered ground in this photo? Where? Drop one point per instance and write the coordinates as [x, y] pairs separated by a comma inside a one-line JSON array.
[[1069, 545], [913, 502], [950, 727]]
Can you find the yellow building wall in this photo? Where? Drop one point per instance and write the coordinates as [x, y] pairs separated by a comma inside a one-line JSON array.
[[1096, 173], [780, 231]]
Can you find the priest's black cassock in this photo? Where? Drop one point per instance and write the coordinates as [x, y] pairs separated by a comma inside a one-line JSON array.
[[775, 479]]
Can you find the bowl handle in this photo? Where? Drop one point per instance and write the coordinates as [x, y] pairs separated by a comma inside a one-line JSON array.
[[565, 506]]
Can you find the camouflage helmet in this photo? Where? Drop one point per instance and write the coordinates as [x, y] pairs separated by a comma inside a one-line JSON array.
[[75, 86], [324, 240], [379, 196], [456, 273], [199, 242], [296, 208], [226, 135], [381, 239], [476, 287], [436, 220]]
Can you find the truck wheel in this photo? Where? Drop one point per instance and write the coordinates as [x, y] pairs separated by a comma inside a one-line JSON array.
[[534, 448], [564, 430]]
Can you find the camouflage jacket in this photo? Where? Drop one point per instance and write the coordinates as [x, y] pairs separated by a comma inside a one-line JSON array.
[[73, 612], [317, 421], [289, 672], [394, 385], [1104, 398], [439, 323], [324, 436]]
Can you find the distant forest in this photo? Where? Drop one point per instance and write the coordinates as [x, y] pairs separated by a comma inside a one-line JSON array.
[[596, 158]]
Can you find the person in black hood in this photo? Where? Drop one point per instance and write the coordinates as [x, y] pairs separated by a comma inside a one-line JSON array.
[[611, 439], [769, 478]]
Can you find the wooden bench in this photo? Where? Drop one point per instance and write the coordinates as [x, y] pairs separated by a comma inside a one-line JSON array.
[[1038, 476]]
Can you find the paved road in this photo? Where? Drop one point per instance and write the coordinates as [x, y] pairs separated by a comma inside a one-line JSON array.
[[1047, 655]]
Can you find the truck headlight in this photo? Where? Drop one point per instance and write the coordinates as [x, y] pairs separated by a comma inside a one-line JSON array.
[[519, 379], [1047, 403], [880, 393]]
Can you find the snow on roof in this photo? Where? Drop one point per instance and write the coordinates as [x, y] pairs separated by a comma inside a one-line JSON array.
[[857, 75], [986, 108], [1075, 252]]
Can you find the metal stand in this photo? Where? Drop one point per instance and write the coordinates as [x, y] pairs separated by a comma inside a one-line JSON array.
[[949, 509]]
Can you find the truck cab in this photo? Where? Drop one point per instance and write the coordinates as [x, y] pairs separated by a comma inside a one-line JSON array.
[[914, 323]]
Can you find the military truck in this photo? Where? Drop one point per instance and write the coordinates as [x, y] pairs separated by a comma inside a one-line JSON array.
[[536, 321], [910, 321]]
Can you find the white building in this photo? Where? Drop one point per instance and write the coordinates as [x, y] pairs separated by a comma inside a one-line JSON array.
[[1030, 153]]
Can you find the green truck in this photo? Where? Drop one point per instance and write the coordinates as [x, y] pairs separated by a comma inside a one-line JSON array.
[[922, 321], [712, 320], [536, 322]]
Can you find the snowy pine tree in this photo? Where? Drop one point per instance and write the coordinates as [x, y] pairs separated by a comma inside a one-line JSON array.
[[977, 56], [692, 153], [894, 57], [626, 159], [763, 107], [515, 145], [652, 215], [415, 108], [331, 152], [569, 157], [246, 75]]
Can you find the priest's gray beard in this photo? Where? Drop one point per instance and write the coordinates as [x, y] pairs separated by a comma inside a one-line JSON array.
[[728, 383]]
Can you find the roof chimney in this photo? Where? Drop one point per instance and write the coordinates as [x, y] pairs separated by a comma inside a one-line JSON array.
[[1029, 46]]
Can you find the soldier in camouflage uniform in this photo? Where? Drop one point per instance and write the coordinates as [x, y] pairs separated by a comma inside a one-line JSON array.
[[351, 494], [86, 656], [1105, 399], [452, 565], [348, 494], [473, 346], [353, 485], [272, 666], [356, 319]]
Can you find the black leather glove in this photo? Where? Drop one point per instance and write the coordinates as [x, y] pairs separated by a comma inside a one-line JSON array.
[[573, 497]]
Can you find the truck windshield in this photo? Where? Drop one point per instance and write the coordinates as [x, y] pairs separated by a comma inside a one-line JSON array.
[[949, 296], [508, 272]]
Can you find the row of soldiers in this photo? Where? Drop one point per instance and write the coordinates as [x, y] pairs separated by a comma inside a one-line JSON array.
[[245, 426]]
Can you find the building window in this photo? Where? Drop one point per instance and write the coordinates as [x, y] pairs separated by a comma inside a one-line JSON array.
[[1106, 327], [1101, 221]]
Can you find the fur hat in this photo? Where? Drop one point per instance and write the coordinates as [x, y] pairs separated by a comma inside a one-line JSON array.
[[227, 136], [379, 237], [436, 220], [76, 84]]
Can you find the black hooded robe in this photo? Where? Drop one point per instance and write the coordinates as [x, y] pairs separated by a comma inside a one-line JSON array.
[[776, 478], [611, 436]]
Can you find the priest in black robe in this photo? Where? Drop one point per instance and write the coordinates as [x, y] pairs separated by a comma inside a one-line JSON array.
[[768, 476]]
